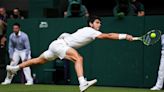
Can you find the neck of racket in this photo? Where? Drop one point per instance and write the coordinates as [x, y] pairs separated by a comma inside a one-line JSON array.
[[136, 38]]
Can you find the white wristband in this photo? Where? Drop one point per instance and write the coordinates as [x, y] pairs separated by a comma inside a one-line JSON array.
[[122, 36]]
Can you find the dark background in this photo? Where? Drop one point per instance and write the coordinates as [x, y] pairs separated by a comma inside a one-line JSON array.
[[105, 7], [97, 7]]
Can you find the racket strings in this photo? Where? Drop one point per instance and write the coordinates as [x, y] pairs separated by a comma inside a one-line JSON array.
[[148, 40]]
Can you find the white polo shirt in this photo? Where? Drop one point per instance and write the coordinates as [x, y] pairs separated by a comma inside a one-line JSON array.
[[81, 37]]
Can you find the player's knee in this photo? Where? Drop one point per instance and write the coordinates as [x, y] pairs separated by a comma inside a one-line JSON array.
[[42, 61], [81, 58]]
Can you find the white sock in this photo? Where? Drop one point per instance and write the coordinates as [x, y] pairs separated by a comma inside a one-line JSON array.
[[17, 67], [81, 80]]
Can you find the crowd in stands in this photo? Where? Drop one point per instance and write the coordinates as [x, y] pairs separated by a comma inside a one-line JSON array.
[[128, 8], [15, 14]]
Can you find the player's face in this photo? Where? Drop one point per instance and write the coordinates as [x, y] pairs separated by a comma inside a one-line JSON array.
[[96, 24], [16, 29]]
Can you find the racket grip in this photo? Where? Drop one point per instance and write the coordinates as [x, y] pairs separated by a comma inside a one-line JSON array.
[[135, 38]]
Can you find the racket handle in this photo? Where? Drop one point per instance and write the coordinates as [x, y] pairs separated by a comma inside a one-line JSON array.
[[136, 38]]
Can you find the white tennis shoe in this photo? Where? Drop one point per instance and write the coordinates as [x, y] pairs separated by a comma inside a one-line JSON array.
[[84, 87], [29, 83], [155, 88], [6, 82]]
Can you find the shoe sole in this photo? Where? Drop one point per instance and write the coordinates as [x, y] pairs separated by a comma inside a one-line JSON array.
[[155, 89], [89, 85], [29, 84], [5, 83]]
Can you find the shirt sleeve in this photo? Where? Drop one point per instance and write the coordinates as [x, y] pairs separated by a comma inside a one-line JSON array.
[[141, 7], [95, 33], [63, 35], [11, 47]]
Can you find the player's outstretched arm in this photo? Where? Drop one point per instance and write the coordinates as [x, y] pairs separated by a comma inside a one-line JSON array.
[[115, 36]]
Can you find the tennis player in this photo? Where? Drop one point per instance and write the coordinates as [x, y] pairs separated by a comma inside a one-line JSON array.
[[65, 48]]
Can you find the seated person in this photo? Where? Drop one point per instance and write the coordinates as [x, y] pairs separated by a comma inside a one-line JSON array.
[[76, 9], [138, 7], [123, 8], [16, 14]]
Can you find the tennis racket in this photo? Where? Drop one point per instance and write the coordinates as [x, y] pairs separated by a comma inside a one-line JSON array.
[[147, 39]]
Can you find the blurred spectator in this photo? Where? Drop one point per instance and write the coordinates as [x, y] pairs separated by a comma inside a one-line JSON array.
[[76, 9], [138, 7], [3, 41], [3, 24], [123, 8], [3, 15], [16, 14]]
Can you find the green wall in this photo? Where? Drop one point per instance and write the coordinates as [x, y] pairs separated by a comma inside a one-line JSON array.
[[113, 63]]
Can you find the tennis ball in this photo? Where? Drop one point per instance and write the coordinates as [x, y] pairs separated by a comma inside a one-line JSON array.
[[152, 35]]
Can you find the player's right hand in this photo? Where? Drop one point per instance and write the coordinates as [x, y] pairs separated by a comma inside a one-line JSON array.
[[129, 37]]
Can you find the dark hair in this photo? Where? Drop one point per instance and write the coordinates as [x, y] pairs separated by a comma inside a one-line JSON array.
[[91, 19], [16, 24], [17, 9]]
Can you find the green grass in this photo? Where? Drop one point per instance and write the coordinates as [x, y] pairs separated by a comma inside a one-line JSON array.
[[66, 88]]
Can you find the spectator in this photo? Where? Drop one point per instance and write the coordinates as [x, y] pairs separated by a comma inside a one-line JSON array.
[[3, 15], [138, 8], [16, 14], [76, 9], [19, 48], [3, 24], [123, 8]]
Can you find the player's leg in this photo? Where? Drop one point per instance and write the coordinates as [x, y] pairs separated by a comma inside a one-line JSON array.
[[160, 78], [14, 62], [73, 55], [26, 70], [43, 58], [38, 60]]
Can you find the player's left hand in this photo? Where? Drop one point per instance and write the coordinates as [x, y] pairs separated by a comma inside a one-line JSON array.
[[129, 37]]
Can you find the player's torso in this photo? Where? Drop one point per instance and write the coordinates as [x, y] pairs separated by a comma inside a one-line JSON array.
[[80, 38]]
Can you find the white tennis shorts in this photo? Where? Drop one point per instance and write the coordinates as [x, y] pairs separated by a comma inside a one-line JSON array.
[[57, 49]]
